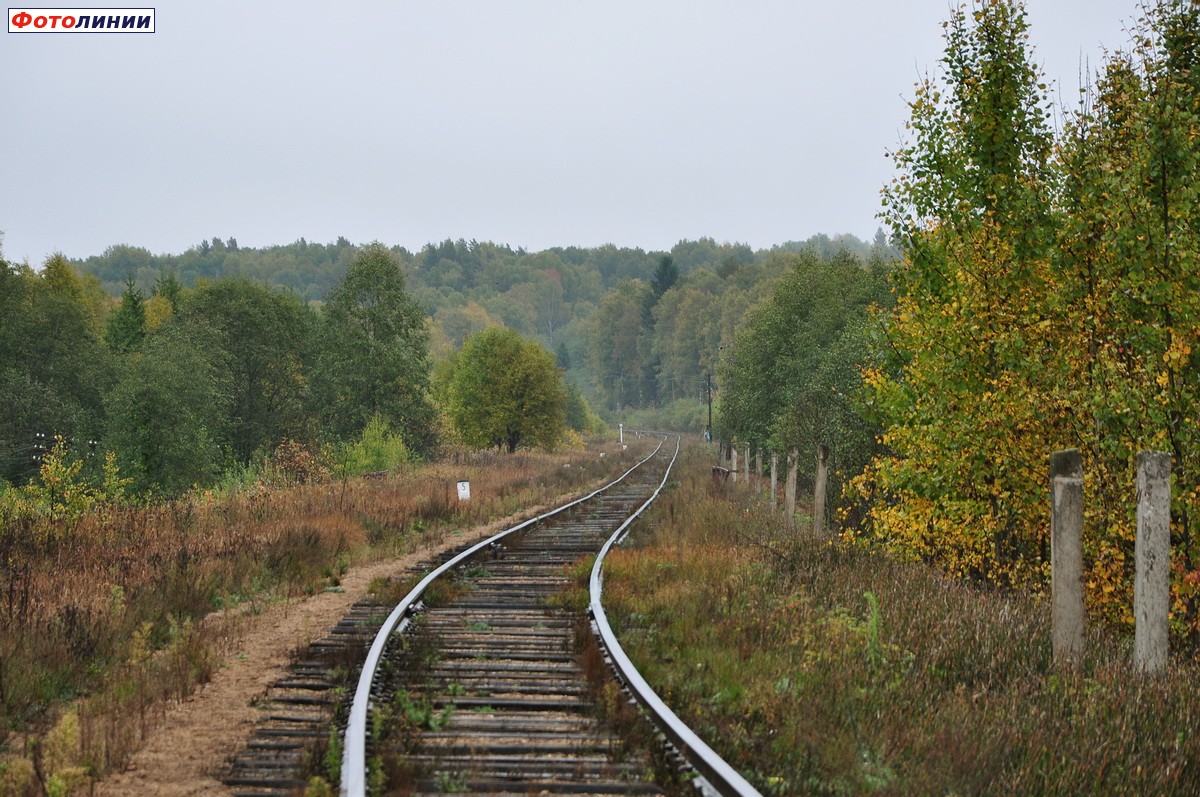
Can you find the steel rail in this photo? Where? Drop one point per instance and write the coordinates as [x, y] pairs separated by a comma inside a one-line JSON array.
[[717, 773], [354, 756]]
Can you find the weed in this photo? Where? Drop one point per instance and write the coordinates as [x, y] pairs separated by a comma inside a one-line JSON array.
[[390, 591], [445, 590], [333, 756], [17, 776], [319, 787], [575, 596], [375, 775], [451, 782], [421, 713]]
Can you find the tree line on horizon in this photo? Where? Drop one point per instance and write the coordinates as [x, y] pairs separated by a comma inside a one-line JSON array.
[[561, 297], [189, 383], [186, 385]]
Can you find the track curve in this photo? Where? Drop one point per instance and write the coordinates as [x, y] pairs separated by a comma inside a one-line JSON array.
[[486, 684]]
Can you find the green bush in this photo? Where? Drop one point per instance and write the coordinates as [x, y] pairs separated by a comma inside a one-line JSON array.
[[379, 448]]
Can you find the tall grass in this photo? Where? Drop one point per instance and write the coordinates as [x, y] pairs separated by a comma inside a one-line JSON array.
[[819, 668], [103, 623]]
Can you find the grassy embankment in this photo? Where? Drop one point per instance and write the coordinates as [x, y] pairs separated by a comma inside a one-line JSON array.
[[100, 620], [816, 667]]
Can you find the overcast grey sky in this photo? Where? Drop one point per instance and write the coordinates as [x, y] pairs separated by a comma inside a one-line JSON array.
[[530, 122]]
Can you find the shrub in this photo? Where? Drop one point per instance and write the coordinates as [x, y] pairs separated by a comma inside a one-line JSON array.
[[380, 448]]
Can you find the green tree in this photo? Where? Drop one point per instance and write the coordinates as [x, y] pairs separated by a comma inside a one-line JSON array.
[[167, 285], [666, 274], [790, 379], [31, 407], [127, 324], [53, 367], [613, 344], [378, 449], [969, 397], [461, 321], [686, 338], [577, 412], [373, 358], [547, 295], [1126, 298], [690, 256], [1045, 302], [505, 391], [169, 412], [264, 340]]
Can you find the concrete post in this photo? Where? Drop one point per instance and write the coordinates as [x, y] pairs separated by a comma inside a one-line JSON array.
[[820, 489], [789, 491], [1152, 553], [621, 432], [758, 467], [733, 461], [1066, 556], [774, 480], [747, 461]]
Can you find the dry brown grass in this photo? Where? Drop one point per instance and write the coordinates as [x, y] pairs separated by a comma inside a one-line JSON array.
[[815, 667]]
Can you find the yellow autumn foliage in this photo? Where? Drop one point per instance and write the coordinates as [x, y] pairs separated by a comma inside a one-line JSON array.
[[1049, 299]]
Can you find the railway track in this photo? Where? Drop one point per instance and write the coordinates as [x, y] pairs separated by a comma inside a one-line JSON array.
[[486, 679], [474, 683]]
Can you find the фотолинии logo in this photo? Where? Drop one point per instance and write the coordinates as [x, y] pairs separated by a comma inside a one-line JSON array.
[[81, 20]]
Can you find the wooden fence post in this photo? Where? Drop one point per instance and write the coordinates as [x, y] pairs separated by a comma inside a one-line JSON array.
[[747, 461], [1067, 611], [733, 461]]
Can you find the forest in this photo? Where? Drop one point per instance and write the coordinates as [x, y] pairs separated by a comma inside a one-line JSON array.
[[552, 296], [185, 371]]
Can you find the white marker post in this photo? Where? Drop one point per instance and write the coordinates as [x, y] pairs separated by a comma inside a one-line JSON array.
[[464, 491], [621, 431], [1152, 563], [1067, 611]]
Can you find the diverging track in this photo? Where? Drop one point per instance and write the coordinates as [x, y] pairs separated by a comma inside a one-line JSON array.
[[482, 690]]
